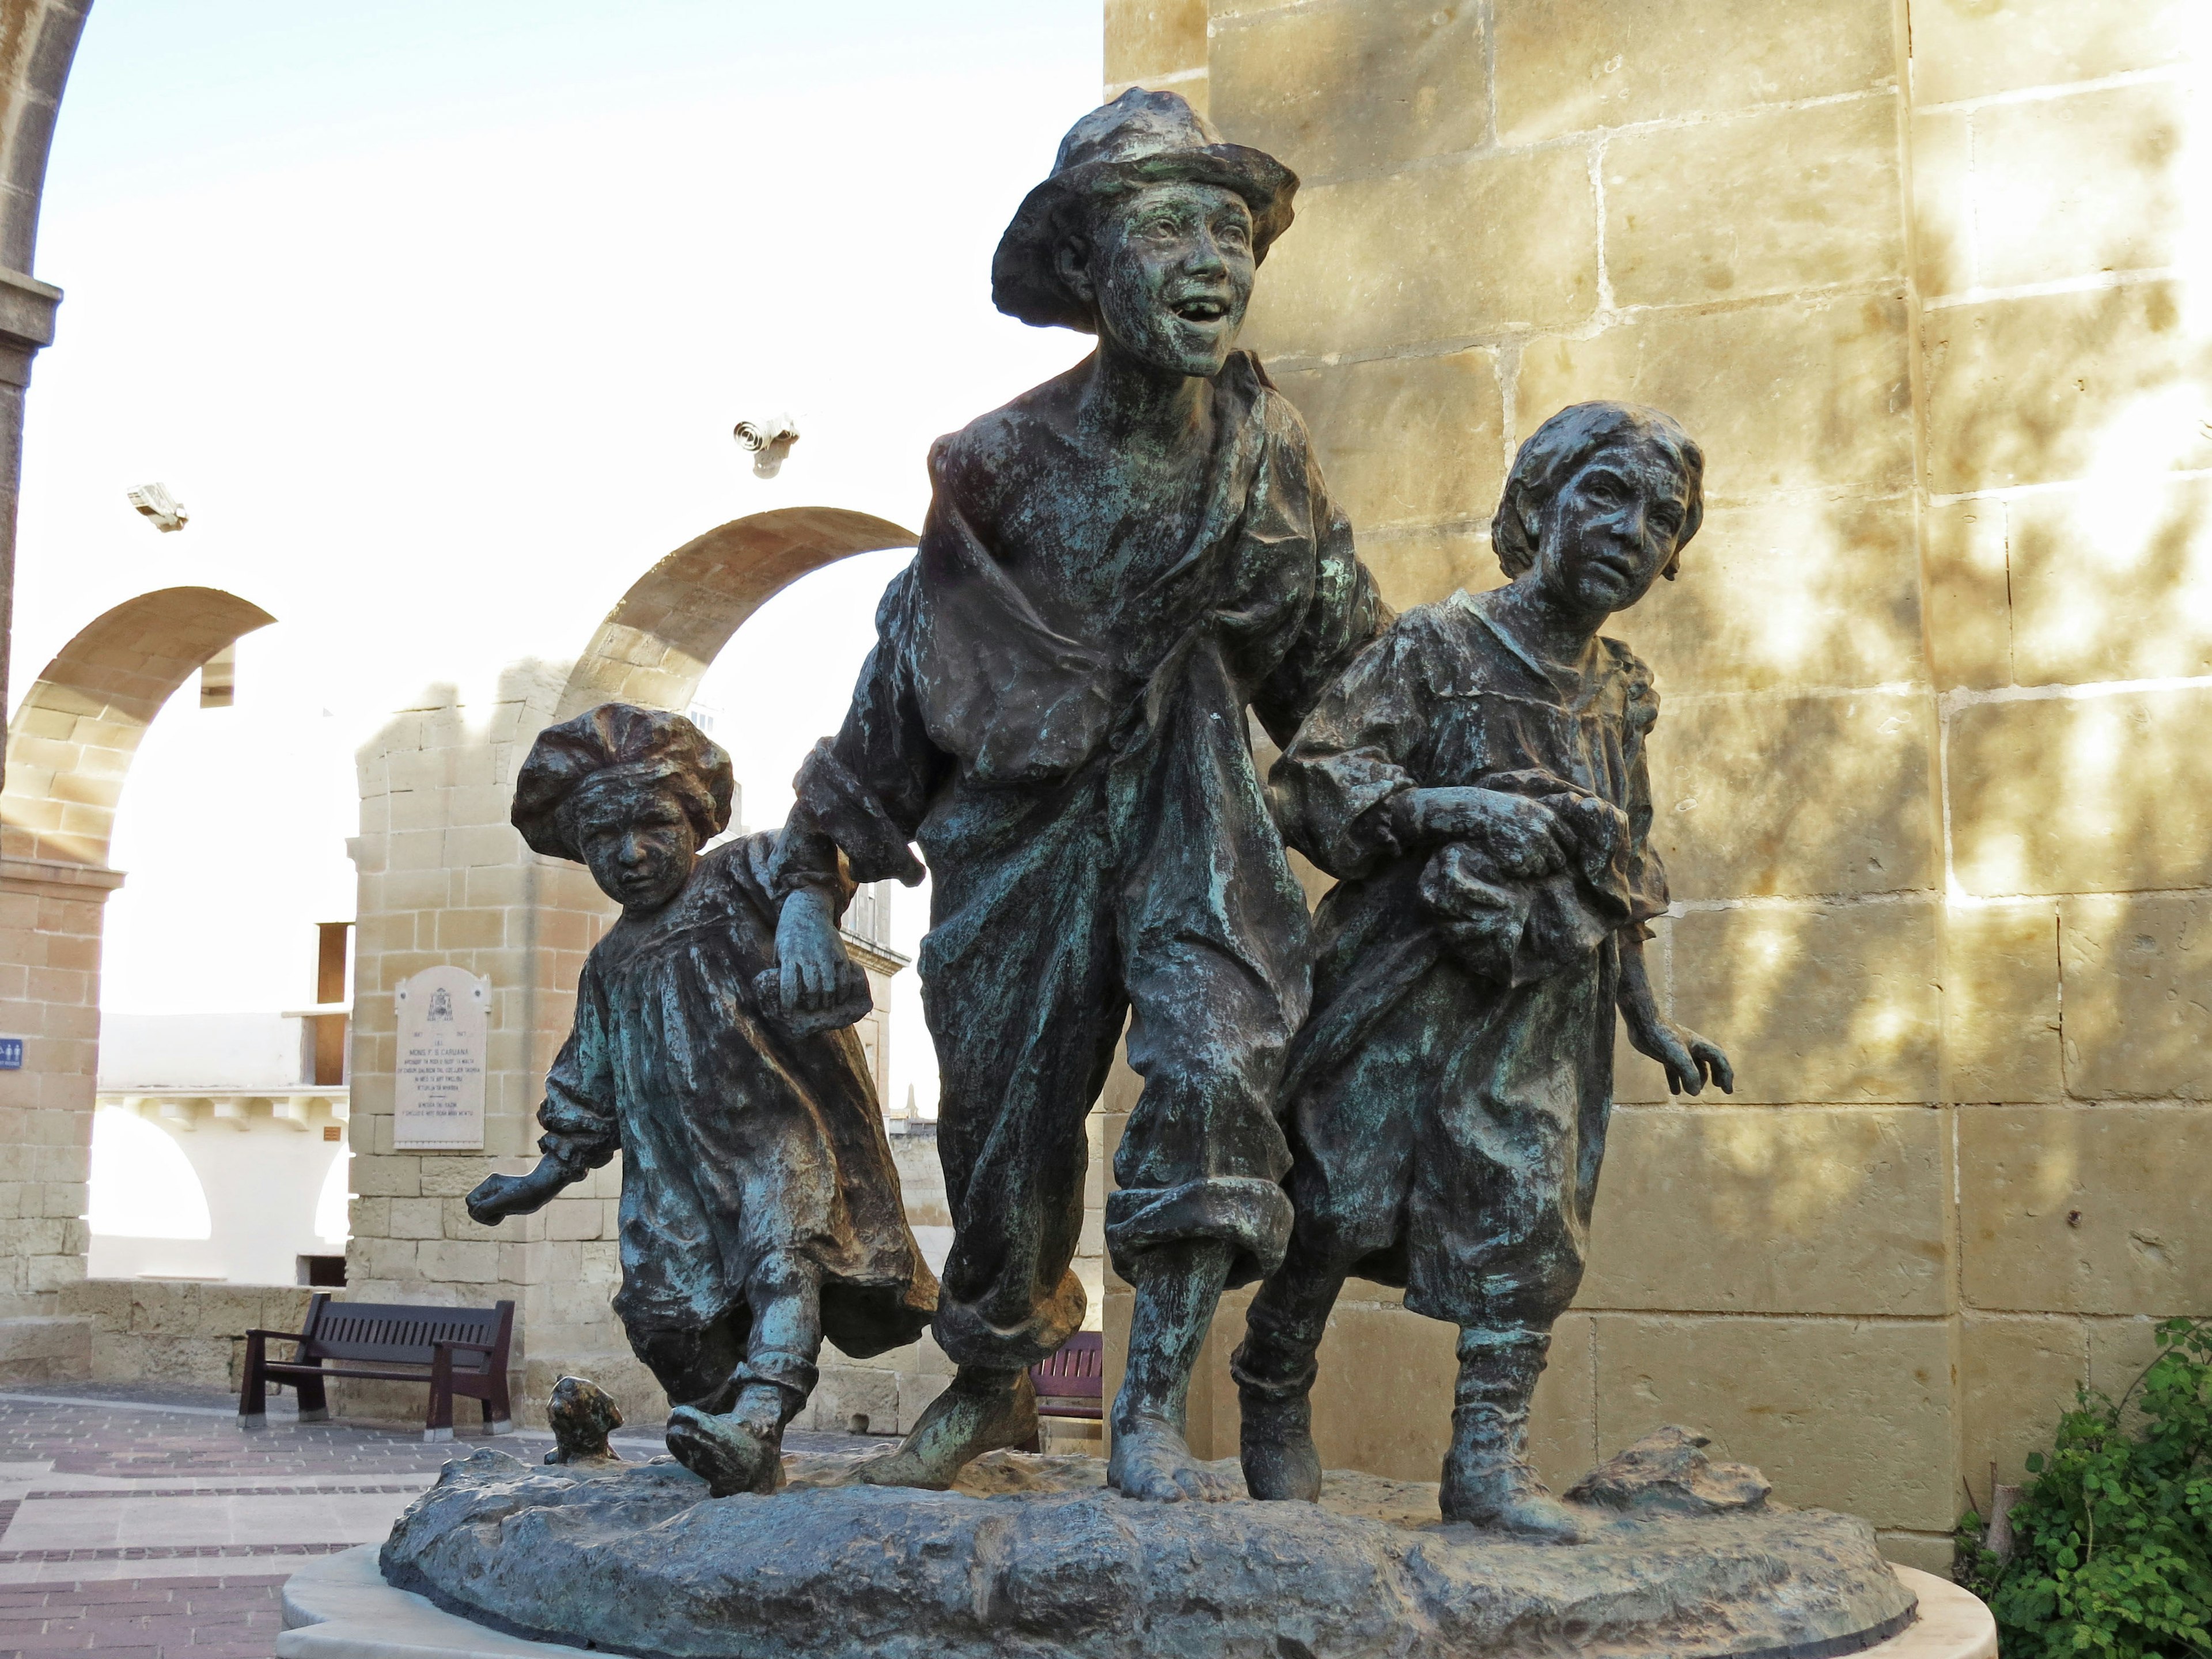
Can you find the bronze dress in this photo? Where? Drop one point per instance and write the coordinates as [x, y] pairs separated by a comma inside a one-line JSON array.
[[1448, 1098], [739, 1141]]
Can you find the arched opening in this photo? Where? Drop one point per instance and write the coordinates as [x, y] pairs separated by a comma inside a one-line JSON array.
[[71, 741], [655, 645], [69, 748], [439, 779]]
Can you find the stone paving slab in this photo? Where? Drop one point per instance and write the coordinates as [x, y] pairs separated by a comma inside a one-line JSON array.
[[141, 1519]]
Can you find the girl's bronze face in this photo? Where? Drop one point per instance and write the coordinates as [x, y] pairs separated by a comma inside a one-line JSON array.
[[1614, 528], [639, 845]]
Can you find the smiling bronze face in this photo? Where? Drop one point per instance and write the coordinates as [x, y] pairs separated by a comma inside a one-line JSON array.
[[1613, 527], [1170, 270]]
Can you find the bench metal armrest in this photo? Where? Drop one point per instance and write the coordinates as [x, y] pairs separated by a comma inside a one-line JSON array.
[[473, 1347], [279, 1336]]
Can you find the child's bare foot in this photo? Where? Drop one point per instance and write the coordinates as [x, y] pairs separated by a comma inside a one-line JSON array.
[[1152, 1461], [730, 1454], [981, 1412]]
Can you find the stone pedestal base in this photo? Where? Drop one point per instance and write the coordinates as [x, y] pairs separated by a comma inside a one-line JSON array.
[[1032, 1557]]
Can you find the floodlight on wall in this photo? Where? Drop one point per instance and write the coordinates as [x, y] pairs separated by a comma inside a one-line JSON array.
[[769, 442], [155, 502]]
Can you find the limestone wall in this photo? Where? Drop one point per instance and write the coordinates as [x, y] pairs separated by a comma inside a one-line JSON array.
[[1926, 283]]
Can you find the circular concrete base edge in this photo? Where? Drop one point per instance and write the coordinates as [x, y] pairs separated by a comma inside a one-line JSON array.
[[341, 1608]]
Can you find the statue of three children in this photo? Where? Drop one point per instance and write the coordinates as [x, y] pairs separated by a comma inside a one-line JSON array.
[[1410, 1085]]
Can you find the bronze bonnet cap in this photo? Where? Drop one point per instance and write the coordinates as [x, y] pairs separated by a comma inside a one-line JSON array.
[[1141, 138], [620, 743]]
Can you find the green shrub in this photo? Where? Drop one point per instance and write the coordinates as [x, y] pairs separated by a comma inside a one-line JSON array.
[[2112, 1534]]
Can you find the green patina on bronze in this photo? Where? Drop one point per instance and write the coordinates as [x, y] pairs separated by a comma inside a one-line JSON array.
[[760, 1207]]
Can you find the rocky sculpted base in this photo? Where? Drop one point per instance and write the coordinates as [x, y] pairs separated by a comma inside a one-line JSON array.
[[1031, 1556]]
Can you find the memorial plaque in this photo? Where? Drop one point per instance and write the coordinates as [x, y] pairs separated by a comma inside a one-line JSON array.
[[438, 1100]]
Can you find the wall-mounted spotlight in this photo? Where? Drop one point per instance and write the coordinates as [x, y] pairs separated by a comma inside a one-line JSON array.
[[155, 502], [769, 440]]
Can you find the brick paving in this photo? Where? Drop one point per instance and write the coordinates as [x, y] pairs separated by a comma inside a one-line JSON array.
[[172, 1468], [224, 1618]]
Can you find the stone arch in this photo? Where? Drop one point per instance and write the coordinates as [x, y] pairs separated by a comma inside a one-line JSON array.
[[655, 646], [445, 879], [69, 747], [37, 41], [73, 736]]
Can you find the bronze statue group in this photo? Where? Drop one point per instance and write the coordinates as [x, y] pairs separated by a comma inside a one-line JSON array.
[[1409, 1085]]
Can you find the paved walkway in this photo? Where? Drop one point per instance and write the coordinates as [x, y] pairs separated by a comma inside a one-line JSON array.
[[147, 1523]]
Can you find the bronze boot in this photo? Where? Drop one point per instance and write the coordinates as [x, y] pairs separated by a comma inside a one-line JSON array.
[[1487, 1481], [1276, 1446]]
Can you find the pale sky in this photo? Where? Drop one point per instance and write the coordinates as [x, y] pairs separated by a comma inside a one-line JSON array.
[[436, 315]]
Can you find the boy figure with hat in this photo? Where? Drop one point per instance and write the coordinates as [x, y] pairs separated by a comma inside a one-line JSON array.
[[1114, 566], [759, 1206]]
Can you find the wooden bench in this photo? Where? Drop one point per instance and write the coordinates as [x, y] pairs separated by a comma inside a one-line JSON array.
[[456, 1350], [1071, 1382]]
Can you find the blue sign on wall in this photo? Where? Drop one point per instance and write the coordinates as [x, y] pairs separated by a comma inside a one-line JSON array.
[[11, 1054]]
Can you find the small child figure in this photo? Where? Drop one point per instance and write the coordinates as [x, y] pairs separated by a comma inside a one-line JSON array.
[[759, 1206], [1477, 780]]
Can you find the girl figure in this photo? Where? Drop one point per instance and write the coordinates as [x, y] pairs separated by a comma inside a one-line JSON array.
[[760, 1207], [1477, 782]]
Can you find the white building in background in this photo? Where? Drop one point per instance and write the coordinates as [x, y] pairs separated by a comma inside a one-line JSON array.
[[516, 492], [219, 1148]]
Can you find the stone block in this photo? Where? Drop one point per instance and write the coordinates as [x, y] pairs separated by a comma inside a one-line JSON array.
[[1963, 49], [1352, 88], [2136, 988], [2049, 794], [380, 1258], [1810, 1210], [2016, 1374], [1567, 65], [575, 1218], [1769, 202], [918, 1389], [1382, 1399], [1781, 397], [1418, 567], [2107, 385], [2067, 187], [1147, 38], [1842, 1414], [1943, 202], [386, 1176], [847, 1392], [1416, 257], [1407, 441], [1563, 1416], [2120, 1351], [1787, 595], [1968, 584], [2001, 1012], [2109, 585], [416, 1218], [454, 1174], [2085, 1209], [1930, 1552], [1768, 796], [1815, 1004], [42, 1345]]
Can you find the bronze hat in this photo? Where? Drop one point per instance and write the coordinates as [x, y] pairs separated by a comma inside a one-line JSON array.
[[1141, 138], [618, 742]]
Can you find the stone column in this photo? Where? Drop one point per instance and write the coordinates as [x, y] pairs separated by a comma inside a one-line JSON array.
[[50, 921], [26, 323]]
